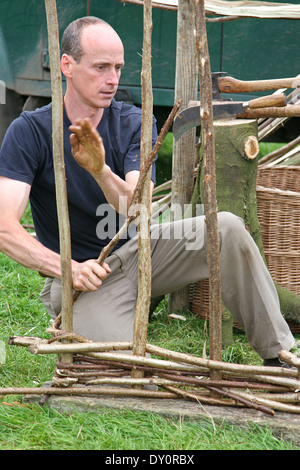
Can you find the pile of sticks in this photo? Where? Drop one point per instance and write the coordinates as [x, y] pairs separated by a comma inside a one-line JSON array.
[[106, 369]]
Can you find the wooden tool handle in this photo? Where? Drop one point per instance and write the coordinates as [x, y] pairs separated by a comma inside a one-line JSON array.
[[267, 101], [232, 85], [286, 111]]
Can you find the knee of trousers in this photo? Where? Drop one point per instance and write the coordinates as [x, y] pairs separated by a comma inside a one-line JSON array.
[[234, 235], [229, 223]]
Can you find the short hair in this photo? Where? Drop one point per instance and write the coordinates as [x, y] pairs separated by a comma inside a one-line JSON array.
[[71, 39]]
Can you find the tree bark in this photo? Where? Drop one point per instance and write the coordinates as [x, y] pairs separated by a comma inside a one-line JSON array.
[[236, 175]]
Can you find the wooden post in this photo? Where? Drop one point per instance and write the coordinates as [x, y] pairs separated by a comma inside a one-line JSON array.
[[59, 169], [184, 151], [144, 250], [206, 115]]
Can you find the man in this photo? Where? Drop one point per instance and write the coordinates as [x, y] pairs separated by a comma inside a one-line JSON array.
[[103, 172]]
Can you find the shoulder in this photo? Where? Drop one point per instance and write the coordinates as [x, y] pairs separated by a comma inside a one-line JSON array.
[[35, 125], [38, 116], [30, 120]]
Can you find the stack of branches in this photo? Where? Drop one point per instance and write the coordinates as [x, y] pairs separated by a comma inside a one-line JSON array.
[[288, 154], [105, 369]]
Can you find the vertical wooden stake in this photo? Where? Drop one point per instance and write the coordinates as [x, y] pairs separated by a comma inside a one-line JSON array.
[[183, 164], [209, 185], [144, 249], [59, 169]]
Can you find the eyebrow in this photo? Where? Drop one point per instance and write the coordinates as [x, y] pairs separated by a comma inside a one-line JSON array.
[[121, 64]]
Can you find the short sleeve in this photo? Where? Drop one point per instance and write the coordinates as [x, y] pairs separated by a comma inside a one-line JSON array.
[[19, 151]]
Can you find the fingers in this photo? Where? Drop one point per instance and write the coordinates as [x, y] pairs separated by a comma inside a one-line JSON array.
[[84, 131], [88, 276], [74, 143]]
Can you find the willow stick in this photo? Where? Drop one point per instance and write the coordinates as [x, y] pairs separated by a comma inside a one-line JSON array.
[[116, 357], [291, 359], [60, 348], [138, 189], [196, 396], [243, 400], [281, 397], [142, 178], [84, 391], [209, 185], [144, 249], [59, 168], [220, 365], [131, 381], [276, 405], [25, 340], [199, 382]]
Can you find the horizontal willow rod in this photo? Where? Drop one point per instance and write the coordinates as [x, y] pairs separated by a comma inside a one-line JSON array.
[[281, 397], [199, 398], [245, 369], [276, 405], [58, 348], [290, 383], [113, 357], [78, 391], [131, 381]]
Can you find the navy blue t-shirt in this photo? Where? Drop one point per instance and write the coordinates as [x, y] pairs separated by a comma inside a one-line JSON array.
[[26, 155]]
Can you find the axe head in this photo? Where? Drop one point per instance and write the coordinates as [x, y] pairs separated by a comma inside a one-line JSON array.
[[215, 86], [190, 117]]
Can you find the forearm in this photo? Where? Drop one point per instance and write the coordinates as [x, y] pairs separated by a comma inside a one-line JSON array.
[[23, 248], [118, 192], [19, 245]]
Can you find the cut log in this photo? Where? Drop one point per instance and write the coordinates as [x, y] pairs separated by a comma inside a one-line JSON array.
[[236, 173]]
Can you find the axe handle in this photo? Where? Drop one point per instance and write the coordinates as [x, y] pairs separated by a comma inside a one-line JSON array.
[[286, 111], [232, 85], [261, 102], [266, 101]]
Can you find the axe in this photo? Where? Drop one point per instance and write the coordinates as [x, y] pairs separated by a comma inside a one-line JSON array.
[[229, 84], [265, 106]]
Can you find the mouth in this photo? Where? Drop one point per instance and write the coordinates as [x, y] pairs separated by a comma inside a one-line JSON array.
[[108, 94]]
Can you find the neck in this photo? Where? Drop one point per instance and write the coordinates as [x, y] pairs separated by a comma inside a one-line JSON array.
[[77, 110]]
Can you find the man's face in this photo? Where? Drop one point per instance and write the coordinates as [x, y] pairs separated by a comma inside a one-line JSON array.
[[96, 77]]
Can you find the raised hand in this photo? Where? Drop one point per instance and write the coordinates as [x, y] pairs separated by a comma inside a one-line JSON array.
[[87, 147]]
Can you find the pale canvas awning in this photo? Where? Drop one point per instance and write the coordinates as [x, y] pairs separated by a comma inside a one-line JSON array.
[[242, 8]]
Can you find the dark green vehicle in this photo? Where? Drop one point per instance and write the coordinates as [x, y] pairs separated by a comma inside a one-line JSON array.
[[246, 49]]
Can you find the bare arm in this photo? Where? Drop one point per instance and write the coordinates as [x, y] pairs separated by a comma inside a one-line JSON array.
[[19, 245], [89, 152]]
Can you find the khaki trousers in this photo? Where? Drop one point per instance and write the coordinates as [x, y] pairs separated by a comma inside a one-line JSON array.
[[179, 258]]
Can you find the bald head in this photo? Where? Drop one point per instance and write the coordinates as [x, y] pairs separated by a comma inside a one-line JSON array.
[[75, 38], [92, 60]]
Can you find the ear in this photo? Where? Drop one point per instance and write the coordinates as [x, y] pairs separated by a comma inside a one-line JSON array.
[[66, 65]]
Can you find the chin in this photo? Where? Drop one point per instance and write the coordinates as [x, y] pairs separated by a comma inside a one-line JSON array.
[[104, 102]]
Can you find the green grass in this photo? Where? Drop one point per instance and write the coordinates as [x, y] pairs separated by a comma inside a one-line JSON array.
[[33, 428], [26, 425]]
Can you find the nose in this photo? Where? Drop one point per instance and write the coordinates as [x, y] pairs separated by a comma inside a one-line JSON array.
[[113, 76]]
